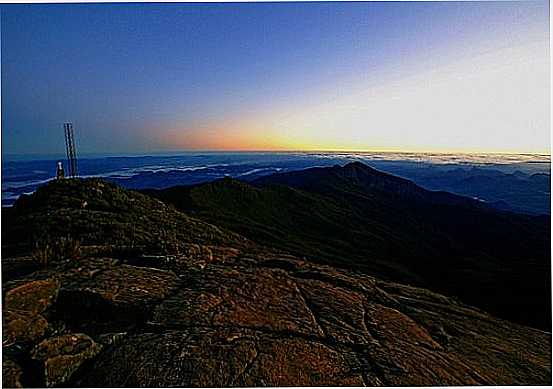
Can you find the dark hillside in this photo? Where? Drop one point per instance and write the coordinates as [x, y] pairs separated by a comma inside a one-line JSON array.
[[123, 290], [357, 217], [95, 212]]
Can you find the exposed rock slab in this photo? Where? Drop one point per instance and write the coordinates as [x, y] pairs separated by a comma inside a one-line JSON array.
[[226, 326], [109, 291], [222, 357], [262, 319], [500, 352]]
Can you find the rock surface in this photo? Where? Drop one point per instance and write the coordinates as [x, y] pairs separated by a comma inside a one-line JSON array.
[[23, 305], [33, 297], [255, 319], [11, 374], [62, 356], [21, 326]]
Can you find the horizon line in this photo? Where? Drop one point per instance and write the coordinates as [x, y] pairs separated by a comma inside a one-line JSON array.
[[359, 151]]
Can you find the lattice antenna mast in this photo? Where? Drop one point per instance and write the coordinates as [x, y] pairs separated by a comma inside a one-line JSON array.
[[71, 149]]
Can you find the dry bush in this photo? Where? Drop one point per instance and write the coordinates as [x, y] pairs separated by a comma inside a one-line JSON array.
[[42, 254], [49, 250], [167, 242], [67, 248]]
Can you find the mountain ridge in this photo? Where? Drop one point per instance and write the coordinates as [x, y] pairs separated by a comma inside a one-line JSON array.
[[361, 218], [210, 308]]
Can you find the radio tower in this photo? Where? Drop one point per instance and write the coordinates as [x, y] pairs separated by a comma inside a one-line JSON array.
[[71, 150]]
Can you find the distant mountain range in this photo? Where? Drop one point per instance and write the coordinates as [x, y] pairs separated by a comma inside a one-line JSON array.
[[510, 182], [517, 191], [361, 218]]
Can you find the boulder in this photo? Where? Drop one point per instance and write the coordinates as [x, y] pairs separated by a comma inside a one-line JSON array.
[[11, 374], [62, 356], [22, 326], [34, 297]]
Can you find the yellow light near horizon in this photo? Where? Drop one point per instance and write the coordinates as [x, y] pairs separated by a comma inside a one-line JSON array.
[[496, 102]]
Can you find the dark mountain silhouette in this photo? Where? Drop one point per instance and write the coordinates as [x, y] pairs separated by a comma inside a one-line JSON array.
[[105, 287], [357, 217]]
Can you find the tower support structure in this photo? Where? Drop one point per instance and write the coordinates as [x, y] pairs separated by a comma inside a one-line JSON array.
[[70, 149]]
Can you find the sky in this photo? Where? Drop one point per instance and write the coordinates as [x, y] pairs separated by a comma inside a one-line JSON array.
[[398, 76]]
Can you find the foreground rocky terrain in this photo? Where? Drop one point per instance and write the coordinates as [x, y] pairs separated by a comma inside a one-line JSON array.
[[202, 306]]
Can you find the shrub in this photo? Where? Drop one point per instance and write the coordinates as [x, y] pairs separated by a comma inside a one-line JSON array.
[[47, 250], [166, 242], [67, 248], [42, 254]]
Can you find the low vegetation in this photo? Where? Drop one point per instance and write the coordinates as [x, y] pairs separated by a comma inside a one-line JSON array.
[[47, 250], [96, 213]]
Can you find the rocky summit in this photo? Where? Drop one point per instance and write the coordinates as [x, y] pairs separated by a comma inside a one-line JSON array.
[[193, 304]]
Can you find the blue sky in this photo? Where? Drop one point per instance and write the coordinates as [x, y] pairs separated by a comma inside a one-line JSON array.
[[134, 78]]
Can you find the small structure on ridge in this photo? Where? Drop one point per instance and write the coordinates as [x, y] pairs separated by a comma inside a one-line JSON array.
[[59, 171]]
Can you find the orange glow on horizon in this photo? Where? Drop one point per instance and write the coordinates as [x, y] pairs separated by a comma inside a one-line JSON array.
[[233, 138]]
